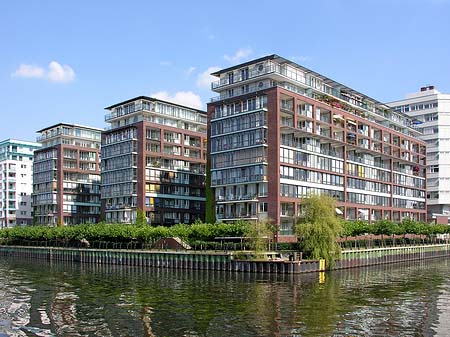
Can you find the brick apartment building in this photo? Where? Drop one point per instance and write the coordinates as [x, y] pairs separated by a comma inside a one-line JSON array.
[[66, 175], [153, 159], [279, 131]]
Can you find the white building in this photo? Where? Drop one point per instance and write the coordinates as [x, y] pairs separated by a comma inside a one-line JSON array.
[[431, 109], [16, 182]]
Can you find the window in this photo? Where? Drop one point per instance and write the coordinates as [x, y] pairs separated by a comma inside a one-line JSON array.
[[263, 207], [230, 78], [244, 74], [433, 169]]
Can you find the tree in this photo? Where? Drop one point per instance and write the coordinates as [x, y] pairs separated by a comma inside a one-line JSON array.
[[259, 234], [384, 227], [318, 228], [272, 228], [141, 220], [209, 194], [355, 228]]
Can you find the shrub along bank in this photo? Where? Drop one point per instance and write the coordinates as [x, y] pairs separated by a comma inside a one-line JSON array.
[[386, 227], [121, 233], [198, 235]]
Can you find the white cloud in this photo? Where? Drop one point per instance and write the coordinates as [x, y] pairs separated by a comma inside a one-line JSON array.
[[187, 98], [299, 58], [204, 79], [189, 71], [60, 73], [55, 72], [29, 71], [240, 54]]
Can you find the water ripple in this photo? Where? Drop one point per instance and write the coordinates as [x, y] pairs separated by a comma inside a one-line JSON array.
[[62, 299]]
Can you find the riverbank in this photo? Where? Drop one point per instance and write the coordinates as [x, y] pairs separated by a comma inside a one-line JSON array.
[[226, 261]]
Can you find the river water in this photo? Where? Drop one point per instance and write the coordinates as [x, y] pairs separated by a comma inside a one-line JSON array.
[[39, 298]]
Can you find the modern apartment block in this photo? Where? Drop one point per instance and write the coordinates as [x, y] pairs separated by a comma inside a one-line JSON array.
[[153, 159], [279, 131], [431, 112], [66, 177], [16, 182]]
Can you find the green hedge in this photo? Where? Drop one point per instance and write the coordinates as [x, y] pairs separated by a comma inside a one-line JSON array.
[[122, 232], [386, 227]]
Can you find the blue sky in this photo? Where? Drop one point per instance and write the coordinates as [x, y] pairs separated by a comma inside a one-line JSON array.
[[64, 61]]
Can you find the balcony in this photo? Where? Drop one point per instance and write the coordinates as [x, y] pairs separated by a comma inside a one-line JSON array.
[[267, 69], [236, 216], [305, 113], [238, 92], [193, 144], [56, 133], [172, 140], [286, 107], [324, 132], [237, 180], [192, 155], [339, 136], [118, 206], [237, 198], [287, 122], [325, 119], [287, 213], [376, 147]]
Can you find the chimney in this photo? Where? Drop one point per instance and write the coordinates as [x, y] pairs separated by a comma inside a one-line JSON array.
[[423, 89], [431, 87]]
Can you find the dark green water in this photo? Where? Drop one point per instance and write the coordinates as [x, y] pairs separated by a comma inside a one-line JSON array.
[[59, 299]]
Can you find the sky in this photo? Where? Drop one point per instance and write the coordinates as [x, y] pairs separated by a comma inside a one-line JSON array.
[[65, 61]]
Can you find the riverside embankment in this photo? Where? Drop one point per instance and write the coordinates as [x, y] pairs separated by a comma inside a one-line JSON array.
[[226, 261]]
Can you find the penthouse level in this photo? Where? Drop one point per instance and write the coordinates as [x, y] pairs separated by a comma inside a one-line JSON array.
[[279, 131]]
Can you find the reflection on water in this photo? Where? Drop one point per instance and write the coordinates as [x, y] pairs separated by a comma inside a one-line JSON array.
[[39, 298]]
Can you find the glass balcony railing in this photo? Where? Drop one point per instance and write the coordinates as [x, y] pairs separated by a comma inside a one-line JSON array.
[[236, 215], [240, 78], [233, 197], [239, 91]]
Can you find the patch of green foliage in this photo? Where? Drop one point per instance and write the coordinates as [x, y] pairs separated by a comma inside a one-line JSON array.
[[318, 229], [386, 227], [123, 232]]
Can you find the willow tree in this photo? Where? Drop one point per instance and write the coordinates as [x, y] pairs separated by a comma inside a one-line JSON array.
[[318, 228], [141, 220]]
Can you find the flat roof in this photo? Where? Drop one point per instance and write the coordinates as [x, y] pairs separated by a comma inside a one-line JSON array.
[[264, 58], [152, 99], [71, 125], [18, 141]]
